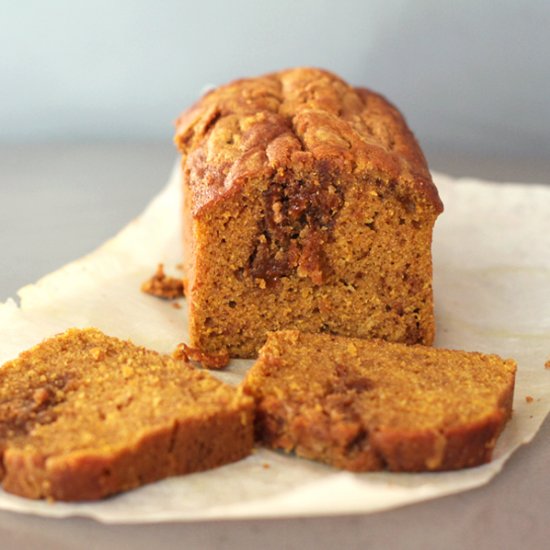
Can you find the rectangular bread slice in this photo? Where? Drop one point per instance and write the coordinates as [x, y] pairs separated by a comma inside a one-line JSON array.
[[84, 415], [307, 204], [368, 405]]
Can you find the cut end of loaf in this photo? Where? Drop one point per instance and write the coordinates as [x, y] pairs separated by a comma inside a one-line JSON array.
[[316, 251]]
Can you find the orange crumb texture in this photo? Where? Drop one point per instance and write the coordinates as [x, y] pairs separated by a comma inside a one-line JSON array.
[[84, 415], [372, 405], [529, 398], [162, 286], [547, 364]]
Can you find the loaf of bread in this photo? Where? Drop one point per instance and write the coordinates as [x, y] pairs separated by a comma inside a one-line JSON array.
[[84, 415], [369, 405], [307, 204]]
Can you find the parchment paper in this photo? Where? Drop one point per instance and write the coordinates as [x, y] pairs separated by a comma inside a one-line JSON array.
[[492, 294]]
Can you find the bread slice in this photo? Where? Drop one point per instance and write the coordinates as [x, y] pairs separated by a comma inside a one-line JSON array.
[[308, 205], [369, 405], [84, 415]]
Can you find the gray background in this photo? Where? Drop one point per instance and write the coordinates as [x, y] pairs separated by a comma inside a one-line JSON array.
[[471, 76]]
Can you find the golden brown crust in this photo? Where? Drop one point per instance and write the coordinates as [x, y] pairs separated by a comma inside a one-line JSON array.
[[369, 405], [83, 416], [302, 120], [184, 448]]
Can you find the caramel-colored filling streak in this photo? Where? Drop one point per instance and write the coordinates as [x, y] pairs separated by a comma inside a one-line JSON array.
[[298, 221]]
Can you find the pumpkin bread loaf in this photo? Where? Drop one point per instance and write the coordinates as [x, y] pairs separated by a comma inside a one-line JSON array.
[[369, 405], [84, 415], [308, 204]]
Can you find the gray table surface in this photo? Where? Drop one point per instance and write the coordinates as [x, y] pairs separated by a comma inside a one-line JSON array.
[[60, 201]]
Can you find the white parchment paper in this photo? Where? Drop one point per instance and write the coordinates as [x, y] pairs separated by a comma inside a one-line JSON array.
[[492, 293]]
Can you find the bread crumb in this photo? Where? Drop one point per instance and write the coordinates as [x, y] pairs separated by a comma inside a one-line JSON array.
[[529, 398], [180, 354], [176, 305], [216, 360], [162, 286], [265, 466], [547, 364]]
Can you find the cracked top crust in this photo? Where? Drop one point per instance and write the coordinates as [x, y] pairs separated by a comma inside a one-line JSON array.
[[300, 120]]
